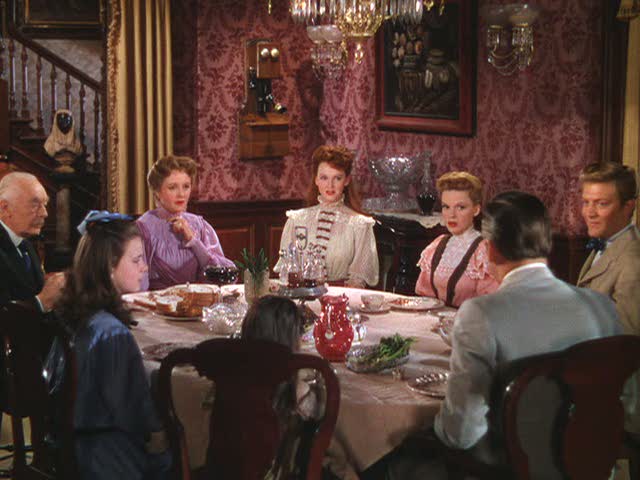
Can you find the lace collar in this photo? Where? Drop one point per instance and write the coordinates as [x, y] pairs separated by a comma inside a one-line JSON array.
[[466, 237], [325, 204]]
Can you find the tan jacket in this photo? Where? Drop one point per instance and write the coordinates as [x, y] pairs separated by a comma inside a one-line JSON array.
[[617, 274]]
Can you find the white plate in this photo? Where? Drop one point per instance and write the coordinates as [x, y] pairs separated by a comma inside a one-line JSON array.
[[384, 309], [415, 304], [177, 319], [159, 351], [140, 299], [432, 383], [445, 315]]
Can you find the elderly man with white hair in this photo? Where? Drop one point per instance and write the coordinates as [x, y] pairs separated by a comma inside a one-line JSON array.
[[23, 210]]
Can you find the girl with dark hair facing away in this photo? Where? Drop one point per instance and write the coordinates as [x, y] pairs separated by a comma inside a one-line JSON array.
[[333, 221], [280, 320], [114, 411]]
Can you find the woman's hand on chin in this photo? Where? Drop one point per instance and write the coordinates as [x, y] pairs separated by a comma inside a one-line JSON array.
[[181, 227]]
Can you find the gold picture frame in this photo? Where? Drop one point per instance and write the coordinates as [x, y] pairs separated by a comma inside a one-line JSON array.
[[69, 18], [426, 73]]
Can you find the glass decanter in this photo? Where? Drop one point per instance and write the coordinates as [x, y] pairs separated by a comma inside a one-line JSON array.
[[294, 275]]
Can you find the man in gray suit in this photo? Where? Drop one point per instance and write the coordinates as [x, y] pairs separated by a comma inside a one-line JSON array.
[[609, 193], [531, 313]]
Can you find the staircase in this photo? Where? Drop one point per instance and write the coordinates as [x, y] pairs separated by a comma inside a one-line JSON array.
[[38, 83]]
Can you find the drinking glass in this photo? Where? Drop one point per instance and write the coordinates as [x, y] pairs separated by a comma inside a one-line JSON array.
[[221, 275]]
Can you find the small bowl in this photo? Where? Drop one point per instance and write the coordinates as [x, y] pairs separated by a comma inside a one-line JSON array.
[[373, 301]]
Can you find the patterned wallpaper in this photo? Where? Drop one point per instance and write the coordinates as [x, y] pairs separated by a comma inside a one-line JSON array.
[[535, 130]]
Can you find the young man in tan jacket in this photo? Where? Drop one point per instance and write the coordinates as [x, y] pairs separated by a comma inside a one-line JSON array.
[[609, 193]]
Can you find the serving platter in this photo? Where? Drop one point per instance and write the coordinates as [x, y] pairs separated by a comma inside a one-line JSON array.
[[302, 292], [431, 383], [415, 304], [165, 303], [374, 311], [355, 354], [177, 318]]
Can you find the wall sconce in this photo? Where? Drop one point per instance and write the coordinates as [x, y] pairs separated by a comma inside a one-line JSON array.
[[515, 21], [329, 51]]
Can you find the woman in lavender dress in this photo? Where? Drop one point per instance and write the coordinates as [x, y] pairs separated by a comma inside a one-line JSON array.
[[178, 245]]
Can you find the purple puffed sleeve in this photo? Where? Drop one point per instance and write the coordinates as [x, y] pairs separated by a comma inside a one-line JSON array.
[[144, 234], [206, 247]]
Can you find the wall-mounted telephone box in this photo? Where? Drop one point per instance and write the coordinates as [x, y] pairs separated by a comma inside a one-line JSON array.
[[264, 123]]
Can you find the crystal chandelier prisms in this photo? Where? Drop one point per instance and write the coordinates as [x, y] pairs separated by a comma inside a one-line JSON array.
[[356, 19], [329, 51], [510, 35]]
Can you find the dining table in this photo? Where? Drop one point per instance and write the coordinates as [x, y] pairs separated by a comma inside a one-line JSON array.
[[377, 410]]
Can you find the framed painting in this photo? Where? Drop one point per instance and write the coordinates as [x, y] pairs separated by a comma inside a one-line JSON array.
[[61, 18], [426, 72]]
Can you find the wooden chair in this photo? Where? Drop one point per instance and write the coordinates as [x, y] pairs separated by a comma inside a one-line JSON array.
[[557, 415], [23, 333], [244, 431]]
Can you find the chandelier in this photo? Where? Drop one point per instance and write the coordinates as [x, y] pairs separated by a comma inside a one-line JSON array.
[[515, 21], [357, 20], [329, 50]]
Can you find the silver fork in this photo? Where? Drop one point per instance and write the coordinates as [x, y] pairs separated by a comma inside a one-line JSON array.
[[432, 377]]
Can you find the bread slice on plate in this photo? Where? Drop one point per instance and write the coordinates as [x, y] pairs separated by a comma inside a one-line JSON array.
[[168, 304], [200, 295]]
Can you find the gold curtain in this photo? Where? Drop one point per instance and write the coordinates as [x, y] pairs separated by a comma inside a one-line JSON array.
[[631, 147], [140, 109], [628, 9]]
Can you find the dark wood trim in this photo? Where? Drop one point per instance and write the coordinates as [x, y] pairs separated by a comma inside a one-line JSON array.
[[251, 225], [55, 59], [615, 37], [399, 244], [56, 29], [233, 211], [567, 257]]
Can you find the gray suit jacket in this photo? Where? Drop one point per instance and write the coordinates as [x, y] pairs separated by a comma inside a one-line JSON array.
[[617, 275], [531, 313]]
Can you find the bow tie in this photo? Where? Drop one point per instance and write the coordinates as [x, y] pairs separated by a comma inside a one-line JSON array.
[[597, 244]]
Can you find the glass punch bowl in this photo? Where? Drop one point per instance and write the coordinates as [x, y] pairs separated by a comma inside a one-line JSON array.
[[397, 173]]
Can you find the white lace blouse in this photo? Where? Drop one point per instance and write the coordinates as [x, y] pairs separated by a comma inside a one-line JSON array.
[[345, 236]]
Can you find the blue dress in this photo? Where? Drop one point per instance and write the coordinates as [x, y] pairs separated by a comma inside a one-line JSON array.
[[114, 411]]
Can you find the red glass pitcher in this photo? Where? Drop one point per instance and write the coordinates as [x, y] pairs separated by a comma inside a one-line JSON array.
[[332, 332]]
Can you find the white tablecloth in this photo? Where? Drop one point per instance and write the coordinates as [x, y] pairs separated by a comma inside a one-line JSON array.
[[376, 410]]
